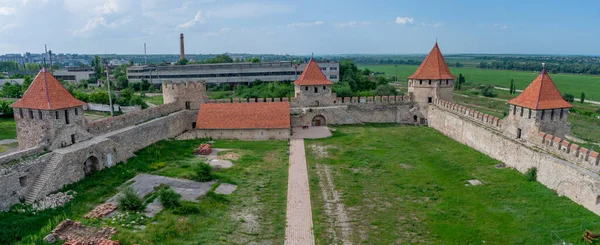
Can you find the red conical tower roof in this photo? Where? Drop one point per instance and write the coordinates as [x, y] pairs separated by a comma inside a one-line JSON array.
[[312, 75], [541, 94], [46, 93], [433, 67]]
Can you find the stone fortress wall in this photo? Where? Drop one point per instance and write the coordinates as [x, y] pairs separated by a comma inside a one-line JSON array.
[[566, 172], [110, 124]]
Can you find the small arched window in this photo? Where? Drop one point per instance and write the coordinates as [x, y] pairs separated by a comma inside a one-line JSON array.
[[316, 89]]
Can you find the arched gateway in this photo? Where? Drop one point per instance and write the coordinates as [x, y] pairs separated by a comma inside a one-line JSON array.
[[91, 165], [318, 120]]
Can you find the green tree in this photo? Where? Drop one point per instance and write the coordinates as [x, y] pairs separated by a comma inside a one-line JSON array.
[[145, 85], [122, 82], [488, 91], [5, 108], [569, 98], [254, 60], [385, 90], [222, 58], [11, 90], [26, 83], [512, 86], [342, 89], [183, 61], [582, 97]]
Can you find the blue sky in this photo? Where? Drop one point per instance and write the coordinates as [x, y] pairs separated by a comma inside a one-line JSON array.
[[300, 27]]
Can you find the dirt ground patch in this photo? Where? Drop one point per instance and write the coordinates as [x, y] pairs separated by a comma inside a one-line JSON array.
[[338, 221], [230, 156], [321, 150]]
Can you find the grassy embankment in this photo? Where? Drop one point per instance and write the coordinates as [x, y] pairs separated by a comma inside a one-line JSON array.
[[408, 185], [255, 212]]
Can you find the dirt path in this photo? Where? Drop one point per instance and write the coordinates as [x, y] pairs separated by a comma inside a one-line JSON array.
[[337, 218], [299, 226]]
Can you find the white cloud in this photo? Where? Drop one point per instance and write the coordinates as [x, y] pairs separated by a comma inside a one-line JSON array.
[[295, 25], [352, 24], [97, 22], [219, 33], [200, 18], [7, 11], [404, 20], [249, 10], [109, 7]]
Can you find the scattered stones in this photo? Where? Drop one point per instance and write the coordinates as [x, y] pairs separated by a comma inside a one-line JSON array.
[[101, 210], [50, 238], [321, 151], [54, 200], [500, 165], [230, 156], [203, 149], [218, 164], [474, 182], [225, 188]]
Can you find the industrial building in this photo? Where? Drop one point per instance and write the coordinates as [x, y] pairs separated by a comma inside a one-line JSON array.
[[229, 72]]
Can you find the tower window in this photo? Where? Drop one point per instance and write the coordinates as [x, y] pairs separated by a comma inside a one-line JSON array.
[[40, 114], [30, 114], [529, 114], [76, 112], [514, 110], [429, 82], [522, 109], [543, 114], [67, 117], [561, 113], [316, 89], [447, 82], [56, 112], [306, 88], [21, 112], [429, 99], [518, 133], [420, 81], [72, 139], [324, 88], [552, 114]]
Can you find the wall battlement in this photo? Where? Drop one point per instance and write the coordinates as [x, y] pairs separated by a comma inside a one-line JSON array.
[[570, 151], [467, 112], [110, 124], [384, 100]]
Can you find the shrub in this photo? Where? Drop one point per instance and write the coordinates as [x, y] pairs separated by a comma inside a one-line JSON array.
[[157, 165], [130, 200], [169, 198], [187, 208], [202, 172], [488, 91], [531, 174]]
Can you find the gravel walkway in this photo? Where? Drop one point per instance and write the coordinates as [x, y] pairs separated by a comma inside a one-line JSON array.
[[299, 226]]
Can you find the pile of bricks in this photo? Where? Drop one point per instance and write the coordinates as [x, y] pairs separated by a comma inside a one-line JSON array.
[[101, 210], [203, 149], [76, 234]]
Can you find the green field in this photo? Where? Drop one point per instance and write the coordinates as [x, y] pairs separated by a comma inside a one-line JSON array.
[[156, 100], [408, 185], [7, 128], [254, 213], [566, 83]]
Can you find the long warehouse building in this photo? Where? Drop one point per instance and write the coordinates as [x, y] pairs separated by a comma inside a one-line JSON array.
[[228, 72]]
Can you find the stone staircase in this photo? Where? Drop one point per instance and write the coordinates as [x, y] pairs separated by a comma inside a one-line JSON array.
[[42, 180]]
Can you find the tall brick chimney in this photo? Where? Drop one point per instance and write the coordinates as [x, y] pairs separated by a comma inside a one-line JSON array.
[[181, 50]]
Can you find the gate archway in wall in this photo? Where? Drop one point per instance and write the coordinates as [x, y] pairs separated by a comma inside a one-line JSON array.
[[318, 120], [91, 165]]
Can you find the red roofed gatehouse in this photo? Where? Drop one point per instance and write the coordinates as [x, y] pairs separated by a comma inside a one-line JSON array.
[[539, 108], [312, 89], [48, 115], [432, 80]]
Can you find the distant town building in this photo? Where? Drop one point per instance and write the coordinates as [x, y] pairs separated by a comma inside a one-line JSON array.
[[74, 74], [229, 72]]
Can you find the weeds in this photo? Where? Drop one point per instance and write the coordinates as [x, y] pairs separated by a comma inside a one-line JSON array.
[[130, 201]]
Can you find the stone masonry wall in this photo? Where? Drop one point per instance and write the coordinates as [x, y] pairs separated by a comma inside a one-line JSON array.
[[110, 124], [577, 183], [238, 134], [16, 179]]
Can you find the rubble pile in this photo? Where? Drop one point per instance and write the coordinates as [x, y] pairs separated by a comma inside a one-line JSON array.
[[76, 234], [203, 149], [53, 200], [101, 210]]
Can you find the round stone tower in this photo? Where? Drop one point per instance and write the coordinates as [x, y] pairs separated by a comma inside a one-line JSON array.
[[432, 80], [188, 95]]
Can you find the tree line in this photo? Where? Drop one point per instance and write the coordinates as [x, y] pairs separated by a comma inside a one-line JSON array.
[[578, 68]]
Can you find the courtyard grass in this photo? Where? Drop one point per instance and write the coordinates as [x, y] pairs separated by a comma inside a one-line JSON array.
[[566, 83], [407, 185], [7, 128], [260, 173], [156, 100]]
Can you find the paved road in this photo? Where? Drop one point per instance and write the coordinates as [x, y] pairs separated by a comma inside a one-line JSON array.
[[299, 226], [576, 99]]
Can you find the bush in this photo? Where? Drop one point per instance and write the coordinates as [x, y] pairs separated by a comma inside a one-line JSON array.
[[569, 98], [130, 200], [488, 91], [157, 165], [385, 90], [202, 172], [187, 208], [531, 174], [169, 198], [5, 107]]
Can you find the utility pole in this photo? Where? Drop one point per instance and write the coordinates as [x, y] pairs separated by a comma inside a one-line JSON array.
[[396, 73], [108, 86]]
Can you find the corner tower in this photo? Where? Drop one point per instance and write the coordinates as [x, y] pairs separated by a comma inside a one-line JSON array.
[[188, 95], [432, 80], [48, 115], [312, 89], [539, 108]]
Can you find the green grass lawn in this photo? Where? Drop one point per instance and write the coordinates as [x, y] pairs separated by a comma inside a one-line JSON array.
[[7, 128], [255, 212], [156, 100], [566, 83], [407, 185]]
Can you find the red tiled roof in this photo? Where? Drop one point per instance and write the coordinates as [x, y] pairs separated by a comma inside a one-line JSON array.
[[244, 116], [433, 67], [312, 75], [46, 93], [541, 94]]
